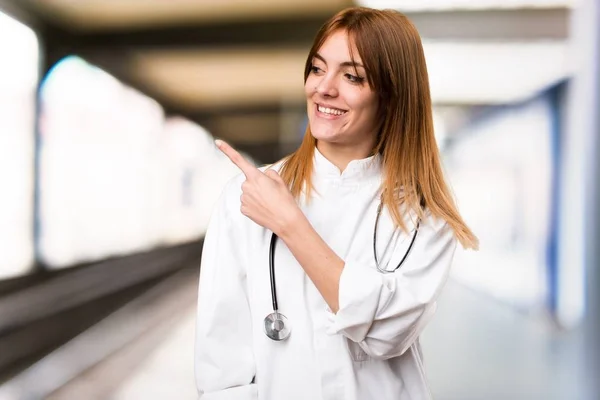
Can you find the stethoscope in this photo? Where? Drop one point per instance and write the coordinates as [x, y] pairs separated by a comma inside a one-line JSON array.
[[277, 326]]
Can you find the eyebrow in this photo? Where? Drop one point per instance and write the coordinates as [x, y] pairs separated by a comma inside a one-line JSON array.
[[344, 64]]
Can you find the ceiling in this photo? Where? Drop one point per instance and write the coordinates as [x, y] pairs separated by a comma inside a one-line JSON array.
[[106, 15], [460, 73], [238, 59]]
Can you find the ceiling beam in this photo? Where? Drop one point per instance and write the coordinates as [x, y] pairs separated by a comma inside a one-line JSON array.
[[492, 25], [286, 31]]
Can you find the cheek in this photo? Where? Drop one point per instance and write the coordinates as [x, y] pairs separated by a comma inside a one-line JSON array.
[[309, 86], [367, 113], [366, 105]]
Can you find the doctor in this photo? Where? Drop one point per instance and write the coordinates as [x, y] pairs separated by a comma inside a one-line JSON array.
[[345, 245]]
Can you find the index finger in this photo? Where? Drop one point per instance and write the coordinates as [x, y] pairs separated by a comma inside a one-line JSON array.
[[244, 165]]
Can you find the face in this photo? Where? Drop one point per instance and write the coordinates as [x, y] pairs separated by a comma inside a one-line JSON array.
[[341, 106]]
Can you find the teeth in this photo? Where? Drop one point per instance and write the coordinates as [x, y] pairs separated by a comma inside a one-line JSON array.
[[331, 111]]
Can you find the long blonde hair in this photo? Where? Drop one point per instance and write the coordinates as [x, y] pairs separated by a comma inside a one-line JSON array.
[[392, 54]]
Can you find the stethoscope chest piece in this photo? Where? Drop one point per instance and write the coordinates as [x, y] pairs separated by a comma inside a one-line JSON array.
[[277, 326]]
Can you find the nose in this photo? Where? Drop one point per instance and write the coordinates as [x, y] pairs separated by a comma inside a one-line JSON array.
[[327, 86]]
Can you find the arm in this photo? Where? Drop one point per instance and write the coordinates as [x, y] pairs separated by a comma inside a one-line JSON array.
[[224, 360], [386, 313], [322, 265], [383, 313], [267, 201]]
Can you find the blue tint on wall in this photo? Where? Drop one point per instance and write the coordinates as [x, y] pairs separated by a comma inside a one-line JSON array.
[[555, 96]]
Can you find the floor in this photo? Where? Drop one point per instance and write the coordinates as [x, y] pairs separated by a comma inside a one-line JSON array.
[[475, 348]]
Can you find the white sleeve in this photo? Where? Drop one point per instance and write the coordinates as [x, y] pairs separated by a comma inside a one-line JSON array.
[[386, 313], [224, 359]]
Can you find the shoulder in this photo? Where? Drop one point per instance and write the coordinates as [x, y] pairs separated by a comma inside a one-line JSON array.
[[228, 205], [233, 186], [436, 228], [428, 221], [275, 166]]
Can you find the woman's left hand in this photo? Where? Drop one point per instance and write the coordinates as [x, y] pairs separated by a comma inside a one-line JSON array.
[[265, 199]]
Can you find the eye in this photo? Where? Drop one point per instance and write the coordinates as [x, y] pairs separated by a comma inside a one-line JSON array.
[[315, 70], [354, 78]]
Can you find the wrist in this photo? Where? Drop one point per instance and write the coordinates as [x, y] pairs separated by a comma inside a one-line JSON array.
[[292, 225]]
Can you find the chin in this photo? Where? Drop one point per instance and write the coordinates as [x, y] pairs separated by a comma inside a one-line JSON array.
[[326, 133], [329, 137]]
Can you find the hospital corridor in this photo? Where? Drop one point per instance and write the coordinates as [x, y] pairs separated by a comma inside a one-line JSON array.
[[109, 177]]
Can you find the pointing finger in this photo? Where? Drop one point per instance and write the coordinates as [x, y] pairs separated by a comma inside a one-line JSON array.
[[244, 165]]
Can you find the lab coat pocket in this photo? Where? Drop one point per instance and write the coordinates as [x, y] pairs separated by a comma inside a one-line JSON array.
[[356, 352]]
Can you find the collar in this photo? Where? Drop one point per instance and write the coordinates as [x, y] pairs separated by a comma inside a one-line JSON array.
[[357, 172]]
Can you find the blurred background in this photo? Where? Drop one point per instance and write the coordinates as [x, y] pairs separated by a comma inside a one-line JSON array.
[[108, 175]]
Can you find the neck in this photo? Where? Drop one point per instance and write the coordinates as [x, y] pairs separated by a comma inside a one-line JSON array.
[[340, 155]]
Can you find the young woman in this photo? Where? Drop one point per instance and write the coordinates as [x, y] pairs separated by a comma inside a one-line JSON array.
[[319, 273]]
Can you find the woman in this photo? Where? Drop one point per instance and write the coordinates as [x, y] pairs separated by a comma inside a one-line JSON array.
[[353, 329]]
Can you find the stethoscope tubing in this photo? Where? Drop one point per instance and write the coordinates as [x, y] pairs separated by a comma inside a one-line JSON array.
[[412, 241], [280, 317], [272, 272]]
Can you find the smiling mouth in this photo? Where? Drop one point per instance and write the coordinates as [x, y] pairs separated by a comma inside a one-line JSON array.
[[330, 111]]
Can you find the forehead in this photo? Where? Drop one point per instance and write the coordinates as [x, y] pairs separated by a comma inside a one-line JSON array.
[[337, 47]]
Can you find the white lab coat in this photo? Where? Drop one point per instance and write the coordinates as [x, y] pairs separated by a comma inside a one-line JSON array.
[[369, 349]]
